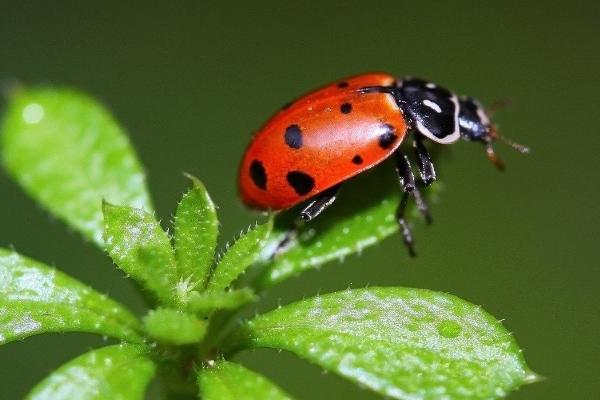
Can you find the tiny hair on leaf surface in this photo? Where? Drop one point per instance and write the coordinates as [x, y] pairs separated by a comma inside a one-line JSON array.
[[402, 343], [228, 300], [139, 246], [196, 232], [119, 372], [363, 215], [224, 380], [174, 326], [239, 256], [69, 153], [35, 298]]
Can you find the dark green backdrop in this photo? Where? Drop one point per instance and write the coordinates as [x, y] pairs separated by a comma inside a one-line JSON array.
[[190, 81]]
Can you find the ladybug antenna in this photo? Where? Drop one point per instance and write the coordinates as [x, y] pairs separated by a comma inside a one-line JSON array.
[[517, 146], [497, 106], [492, 136]]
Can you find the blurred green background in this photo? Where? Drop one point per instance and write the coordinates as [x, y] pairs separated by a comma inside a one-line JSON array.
[[191, 80]]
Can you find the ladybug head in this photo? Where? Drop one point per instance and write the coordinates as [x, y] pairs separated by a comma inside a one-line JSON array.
[[475, 125]]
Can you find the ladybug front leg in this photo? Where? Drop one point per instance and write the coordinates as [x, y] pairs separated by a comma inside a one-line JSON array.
[[426, 167]]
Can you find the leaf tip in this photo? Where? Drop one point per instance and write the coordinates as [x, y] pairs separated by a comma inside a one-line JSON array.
[[196, 183], [107, 206], [532, 377]]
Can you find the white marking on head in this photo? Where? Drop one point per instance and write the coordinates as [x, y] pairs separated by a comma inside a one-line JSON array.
[[421, 128], [430, 85], [451, 138], [482, 115], [433, 105], [454, 136]]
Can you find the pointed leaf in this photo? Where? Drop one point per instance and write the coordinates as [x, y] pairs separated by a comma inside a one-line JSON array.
[[35, 298], [196, 231], [230, 381], [119, 372], [402, 343], [173, 326], [68, 153], [138, 245], [363, 215], [239, 256], [210, 301]]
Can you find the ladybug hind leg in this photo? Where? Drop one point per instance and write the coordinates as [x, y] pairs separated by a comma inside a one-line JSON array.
[[311, 211], [319, 204]]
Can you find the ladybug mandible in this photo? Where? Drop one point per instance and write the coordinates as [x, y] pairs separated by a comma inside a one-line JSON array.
[[314, 144]]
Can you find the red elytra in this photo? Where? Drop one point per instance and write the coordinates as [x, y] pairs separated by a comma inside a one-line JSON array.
[[319, 141]]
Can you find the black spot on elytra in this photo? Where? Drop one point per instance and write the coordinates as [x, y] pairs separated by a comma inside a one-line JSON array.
[[342, 85], [388, 137], [301, 182], [258, 174], [293, 136], [346, 108], [357, 159]]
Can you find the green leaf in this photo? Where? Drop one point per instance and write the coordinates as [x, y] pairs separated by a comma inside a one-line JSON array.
[[402, 343], [173, 326], [35, 298], [230, 381], [210, 301], [196, 231], [69, 153], [138, 245], [119, 372], [239, 256], [363, 215]]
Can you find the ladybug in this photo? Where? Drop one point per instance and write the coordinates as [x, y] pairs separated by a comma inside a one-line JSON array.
[[314, 144]]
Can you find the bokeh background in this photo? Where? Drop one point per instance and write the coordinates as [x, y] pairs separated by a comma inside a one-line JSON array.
[[191, 80]]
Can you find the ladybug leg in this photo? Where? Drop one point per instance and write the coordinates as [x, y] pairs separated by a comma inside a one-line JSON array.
[[426, 168], [319, 204], [407, 236], [311, 211], [422, 205], [405, 174], [407, 179], [407, 182], [285, 241]]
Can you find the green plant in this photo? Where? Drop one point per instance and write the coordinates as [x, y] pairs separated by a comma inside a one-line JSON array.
[[68, 153]]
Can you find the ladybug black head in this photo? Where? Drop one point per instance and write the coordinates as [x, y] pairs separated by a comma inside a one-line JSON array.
[[473, 121], [475, 125]]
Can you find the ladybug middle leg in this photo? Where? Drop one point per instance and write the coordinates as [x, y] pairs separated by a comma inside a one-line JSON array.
[[427, 173], [407, 236], [422, 206], [407, 183]]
